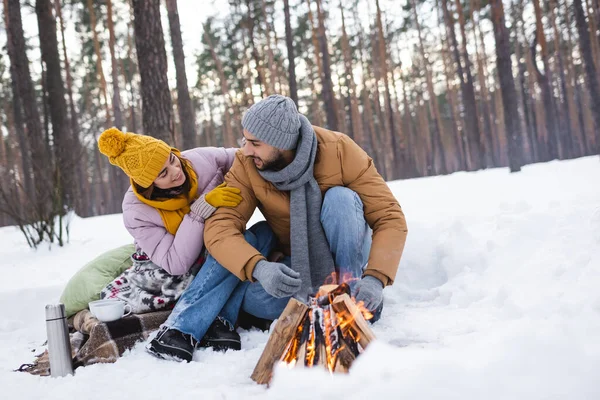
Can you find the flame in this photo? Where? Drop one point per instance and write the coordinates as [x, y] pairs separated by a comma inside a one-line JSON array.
[[363, 310], [310, 344], [333, 278]]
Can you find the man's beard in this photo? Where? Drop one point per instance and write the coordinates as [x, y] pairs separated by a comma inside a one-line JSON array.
[[276, 164]]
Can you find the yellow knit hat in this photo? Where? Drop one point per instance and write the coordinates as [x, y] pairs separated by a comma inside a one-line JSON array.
[[141, 157]]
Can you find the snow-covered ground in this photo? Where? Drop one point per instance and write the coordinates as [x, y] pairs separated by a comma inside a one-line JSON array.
[[497, 297]]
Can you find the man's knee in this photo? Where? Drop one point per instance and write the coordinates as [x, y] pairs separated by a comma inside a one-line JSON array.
[[261, 236], [338, 201]]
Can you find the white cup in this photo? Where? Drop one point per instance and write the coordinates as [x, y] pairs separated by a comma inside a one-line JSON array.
[[109, 309]]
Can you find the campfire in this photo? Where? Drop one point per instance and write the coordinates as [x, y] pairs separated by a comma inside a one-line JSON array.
[[330, 331]]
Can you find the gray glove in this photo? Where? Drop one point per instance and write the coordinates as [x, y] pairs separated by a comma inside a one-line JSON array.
[[370, 291], [277, 279]]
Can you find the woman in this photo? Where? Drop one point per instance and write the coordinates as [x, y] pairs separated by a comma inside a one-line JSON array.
[[171, 195]]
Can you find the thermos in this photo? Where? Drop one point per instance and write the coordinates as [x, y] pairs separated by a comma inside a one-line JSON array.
[[59, 345]]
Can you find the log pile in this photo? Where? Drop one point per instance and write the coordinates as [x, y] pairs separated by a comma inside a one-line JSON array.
[[330, 332]]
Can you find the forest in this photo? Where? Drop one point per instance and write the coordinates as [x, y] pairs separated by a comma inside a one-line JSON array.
[[426, 87]]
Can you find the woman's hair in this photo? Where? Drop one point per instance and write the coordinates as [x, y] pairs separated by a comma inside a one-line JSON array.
[[154, 193]]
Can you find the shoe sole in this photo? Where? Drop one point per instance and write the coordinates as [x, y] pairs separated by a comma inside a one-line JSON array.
[[168, 357], [221, 344]]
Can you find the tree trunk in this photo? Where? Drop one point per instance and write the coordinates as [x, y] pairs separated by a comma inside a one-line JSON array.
[[82, 200], [61, 133], [99, 68], [270, 56], [437, 154], [473, 120], [262, 80], [526, 140], [459, 144], [118, 181], [468, 97], [229, 139], [130, 78], [314, 94], [487, 126], [15, 75], [423, 139], [26, 95], [315, 40], [184, 103], [326, 82], [357, 131], [383, 57], [594, 41], [116, 99], [290, 53], [566, 133], [152, 61], [577, 126], [507, 85], [544, 79], [372, 145], [590, 70]]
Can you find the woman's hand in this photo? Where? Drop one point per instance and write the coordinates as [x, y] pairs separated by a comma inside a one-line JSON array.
[[223, 196]]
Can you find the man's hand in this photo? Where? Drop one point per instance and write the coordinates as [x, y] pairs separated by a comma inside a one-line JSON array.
[[276, 278], [369, 290]]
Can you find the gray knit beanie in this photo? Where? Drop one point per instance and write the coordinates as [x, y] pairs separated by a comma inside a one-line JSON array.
[[275, 121]]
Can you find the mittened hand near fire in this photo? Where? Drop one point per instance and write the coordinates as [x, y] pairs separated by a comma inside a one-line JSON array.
[[277, 279], [369, 290]]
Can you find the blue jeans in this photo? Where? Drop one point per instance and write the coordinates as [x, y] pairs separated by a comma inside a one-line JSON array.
[[216, 292]]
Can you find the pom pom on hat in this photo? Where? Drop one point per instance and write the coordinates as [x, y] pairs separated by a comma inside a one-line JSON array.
[[111, 142], [141, 157]]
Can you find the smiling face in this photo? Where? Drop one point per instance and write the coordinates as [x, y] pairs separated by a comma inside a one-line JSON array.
[[171, 175], [265, 156]]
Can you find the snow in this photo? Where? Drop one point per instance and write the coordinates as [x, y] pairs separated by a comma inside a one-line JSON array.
[[497, 297]]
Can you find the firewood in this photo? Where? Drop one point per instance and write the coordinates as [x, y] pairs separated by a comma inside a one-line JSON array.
[[283, 332], [358, 325], [330, 332], [345, 357]]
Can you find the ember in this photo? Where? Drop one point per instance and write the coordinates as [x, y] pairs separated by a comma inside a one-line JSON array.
[[331, 331]]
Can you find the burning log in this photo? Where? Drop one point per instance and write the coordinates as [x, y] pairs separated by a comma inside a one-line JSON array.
[[331, 331]]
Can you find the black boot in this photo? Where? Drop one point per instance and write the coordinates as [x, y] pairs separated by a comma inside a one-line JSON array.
[[171, 344], [248, 321], [221, 338]]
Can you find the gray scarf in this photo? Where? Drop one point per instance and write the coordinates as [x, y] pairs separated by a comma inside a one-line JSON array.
[[311, 256]]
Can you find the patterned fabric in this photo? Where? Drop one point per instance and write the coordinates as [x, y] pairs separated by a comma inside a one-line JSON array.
[[146, 287], [95, 342]]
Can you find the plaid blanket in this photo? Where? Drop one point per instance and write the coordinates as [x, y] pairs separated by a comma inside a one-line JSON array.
[[101, 342]]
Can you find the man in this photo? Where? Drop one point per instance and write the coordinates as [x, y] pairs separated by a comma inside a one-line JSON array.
[[327, 206]]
